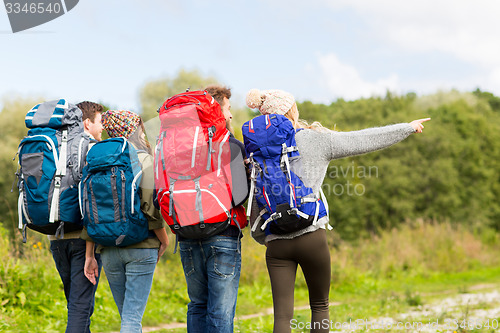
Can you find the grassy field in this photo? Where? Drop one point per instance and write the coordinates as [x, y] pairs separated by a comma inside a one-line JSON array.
[[399, 272]]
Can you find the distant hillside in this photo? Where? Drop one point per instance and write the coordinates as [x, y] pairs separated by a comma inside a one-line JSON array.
[[451, 172]]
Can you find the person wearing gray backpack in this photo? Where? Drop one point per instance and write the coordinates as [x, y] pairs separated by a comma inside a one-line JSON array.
[[68, 251], [51, 158]]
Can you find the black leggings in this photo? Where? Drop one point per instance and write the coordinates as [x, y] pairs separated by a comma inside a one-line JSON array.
[[311, 252]]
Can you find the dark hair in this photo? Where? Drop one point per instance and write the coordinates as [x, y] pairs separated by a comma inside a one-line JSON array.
[[138, 141], [219, 92], [89, 109]]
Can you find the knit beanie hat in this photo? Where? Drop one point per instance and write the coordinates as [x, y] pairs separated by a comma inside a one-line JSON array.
[[270, 101], [120, 123]]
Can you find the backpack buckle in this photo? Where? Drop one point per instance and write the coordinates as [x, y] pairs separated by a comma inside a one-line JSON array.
[[57, 181], [211, 131], [276, 216], [284, 149]]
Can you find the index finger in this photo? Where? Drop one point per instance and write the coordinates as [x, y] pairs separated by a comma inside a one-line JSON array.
[[423, 120]]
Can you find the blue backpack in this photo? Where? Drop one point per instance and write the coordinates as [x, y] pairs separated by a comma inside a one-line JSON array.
[[51, 159], [286, 205], [110, 194]]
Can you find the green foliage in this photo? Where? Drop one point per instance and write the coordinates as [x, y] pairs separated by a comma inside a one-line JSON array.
[[451, 172], [413, 299], [12, 130], [29, 287], [377, 276], [154, 93], [492, 100]]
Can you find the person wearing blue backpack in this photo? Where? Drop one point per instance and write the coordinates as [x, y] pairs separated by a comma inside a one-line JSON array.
[[68, 251], [306, 246], [129, 263]]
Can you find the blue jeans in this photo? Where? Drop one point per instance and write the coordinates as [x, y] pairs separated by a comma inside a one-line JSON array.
[[69, 256], [130, 277], [212, 269]]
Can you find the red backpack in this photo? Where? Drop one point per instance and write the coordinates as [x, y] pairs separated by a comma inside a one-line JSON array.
[[193, 167]]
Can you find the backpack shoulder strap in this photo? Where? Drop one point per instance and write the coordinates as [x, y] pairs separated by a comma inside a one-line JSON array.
[[142, 155], [325, 203], [60, 172]]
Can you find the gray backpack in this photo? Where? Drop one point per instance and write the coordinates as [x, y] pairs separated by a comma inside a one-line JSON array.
[[51, 159]]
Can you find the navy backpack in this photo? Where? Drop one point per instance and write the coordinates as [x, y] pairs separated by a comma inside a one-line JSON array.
[[286, 205], [110, 194], [51, 159]]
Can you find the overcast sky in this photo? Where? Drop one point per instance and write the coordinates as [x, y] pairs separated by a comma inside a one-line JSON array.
[[319, 50]]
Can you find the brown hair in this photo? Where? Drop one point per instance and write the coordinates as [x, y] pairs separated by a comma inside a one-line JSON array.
[[89, 109], [219, 92]]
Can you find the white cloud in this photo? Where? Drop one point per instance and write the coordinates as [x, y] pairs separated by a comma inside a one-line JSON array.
[[465, 31], [343, 80], [468, 30]]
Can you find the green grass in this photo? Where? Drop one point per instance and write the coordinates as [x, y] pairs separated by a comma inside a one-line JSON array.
[[389, 298], [379, 277]]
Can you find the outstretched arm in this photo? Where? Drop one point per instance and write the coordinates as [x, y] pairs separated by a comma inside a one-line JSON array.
[[343, 144]]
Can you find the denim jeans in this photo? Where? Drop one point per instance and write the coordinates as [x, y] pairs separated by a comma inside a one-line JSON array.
[[130, 277], [69, 256], [212, 269]]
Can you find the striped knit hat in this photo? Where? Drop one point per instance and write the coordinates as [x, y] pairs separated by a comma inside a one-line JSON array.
[[270, 101], [120, 123]]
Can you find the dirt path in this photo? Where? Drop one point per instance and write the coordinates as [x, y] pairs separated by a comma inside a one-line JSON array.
[[467, 312], [266, 312], [443, 315]]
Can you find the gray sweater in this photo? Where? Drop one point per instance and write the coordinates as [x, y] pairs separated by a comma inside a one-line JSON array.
[[319, 147]]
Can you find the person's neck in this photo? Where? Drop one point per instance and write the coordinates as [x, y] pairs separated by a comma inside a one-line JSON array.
[[91, 136]]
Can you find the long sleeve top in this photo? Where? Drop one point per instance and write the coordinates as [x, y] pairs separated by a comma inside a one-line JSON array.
[[318, 147]]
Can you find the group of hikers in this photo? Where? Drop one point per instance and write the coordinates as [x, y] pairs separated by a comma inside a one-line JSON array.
[[195, 179]]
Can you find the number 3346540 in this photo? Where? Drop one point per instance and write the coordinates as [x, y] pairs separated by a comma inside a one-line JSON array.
[[33, 8]]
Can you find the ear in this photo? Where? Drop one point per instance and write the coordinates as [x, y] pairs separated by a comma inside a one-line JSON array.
[[86, 124]]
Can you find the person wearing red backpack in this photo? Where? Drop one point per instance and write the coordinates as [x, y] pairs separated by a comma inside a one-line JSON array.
[[212, 265]]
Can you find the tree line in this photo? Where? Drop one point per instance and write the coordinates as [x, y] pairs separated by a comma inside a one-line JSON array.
[[450, 173]]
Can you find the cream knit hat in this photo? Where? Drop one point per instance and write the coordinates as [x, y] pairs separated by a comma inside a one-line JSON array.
[[270, 101]]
